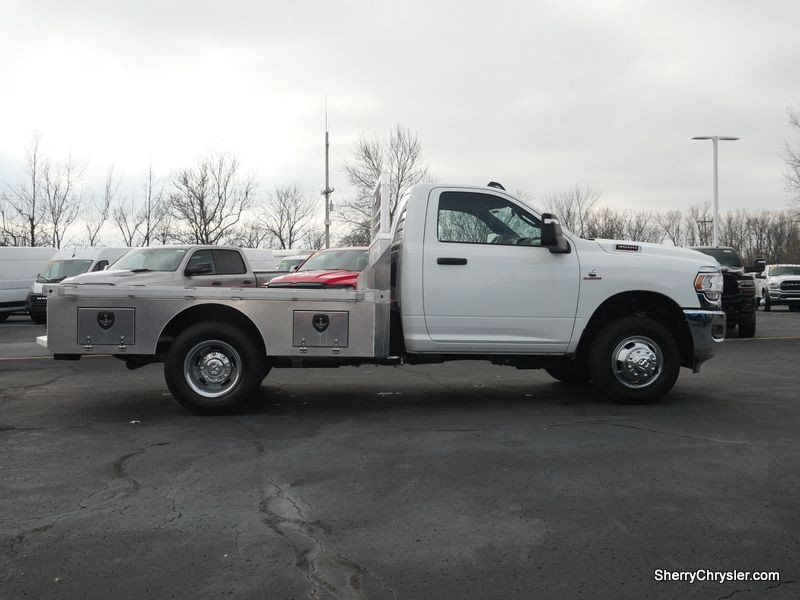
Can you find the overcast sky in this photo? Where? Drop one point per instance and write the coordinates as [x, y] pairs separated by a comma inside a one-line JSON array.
[[537, 95]]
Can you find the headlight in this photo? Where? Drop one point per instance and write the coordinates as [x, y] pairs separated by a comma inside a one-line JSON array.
[[774, 285], [709, 284]]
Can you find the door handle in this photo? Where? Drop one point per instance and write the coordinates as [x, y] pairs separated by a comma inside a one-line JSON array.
[[446, 260], [216, 283]]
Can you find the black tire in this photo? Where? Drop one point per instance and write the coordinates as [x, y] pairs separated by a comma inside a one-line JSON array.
[[767, 303], [4, 316], [634, 336], [794, 307], [213, 349], [39, 319], [748, 328], [573, 374]]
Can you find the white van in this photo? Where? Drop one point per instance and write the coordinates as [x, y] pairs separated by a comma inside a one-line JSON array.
[[67, 262], [260, 259], [18, 268]]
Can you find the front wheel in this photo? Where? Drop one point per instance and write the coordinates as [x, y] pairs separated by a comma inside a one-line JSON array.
[[634, 360], [213, 368], [39, 319], [767, 303]]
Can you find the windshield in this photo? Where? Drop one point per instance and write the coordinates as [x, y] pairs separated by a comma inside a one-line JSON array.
[[333, 260], [784, 270], [151, 259], [56, 270], [288, 263], [726, 257]]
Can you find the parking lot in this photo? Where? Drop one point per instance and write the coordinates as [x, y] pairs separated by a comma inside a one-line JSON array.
[[462, 480]]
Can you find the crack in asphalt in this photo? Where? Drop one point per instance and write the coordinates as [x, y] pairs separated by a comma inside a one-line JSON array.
[[119, 472], [611, 423], [766, 589], [283, 514]]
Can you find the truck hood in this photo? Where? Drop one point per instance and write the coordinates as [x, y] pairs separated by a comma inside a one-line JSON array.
[[123, 278], [339, 278], [656, 250]]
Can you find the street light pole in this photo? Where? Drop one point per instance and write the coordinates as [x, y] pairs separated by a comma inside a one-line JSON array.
[[715, 139]]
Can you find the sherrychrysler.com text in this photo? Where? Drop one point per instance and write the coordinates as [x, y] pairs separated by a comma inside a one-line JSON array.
[[704, 575]]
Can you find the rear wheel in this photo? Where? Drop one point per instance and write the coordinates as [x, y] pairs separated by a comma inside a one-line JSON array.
[[213, 368], [748, 328], [634, 360]]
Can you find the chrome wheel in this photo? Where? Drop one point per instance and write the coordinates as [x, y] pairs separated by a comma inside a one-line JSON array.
[[637, 362], [212, 368]]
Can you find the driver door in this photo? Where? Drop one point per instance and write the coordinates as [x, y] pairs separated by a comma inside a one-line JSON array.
[[488, 285]]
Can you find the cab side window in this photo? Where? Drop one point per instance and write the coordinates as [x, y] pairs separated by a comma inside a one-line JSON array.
[[200, 257], [229, 262], [472, 218], [101, 264]]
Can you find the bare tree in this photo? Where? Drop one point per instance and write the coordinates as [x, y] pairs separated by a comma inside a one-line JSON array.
[[252, 234], [792, 159], [606, 223], [399, 155], [671, 223], [141, 225], [12, 229], [62, 200], [25, 206], [574, 207], [315, 238], [210, 199], [288, 215], [97, 213]]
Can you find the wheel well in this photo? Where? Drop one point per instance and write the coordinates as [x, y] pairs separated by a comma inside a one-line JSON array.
[[652, 305], [207, 312]]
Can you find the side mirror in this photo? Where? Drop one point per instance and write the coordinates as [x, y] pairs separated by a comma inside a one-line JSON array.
[[552, 237], [293, 268], [198, 269], [758, 266]]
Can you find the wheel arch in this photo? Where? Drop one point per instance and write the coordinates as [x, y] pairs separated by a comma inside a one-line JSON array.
[[642, 303], [206, 313]]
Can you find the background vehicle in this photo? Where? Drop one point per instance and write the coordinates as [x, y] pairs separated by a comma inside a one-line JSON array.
[[184, 266], [259, 259], [465, 273], [780, 285], [18, 269], [333, 268], [287, 264], [739, 292], [67, 262]]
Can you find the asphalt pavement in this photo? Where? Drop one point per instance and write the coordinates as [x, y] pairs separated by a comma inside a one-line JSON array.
[[462, 480]]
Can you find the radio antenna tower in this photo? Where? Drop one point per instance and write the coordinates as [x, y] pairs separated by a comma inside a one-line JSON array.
[[328, 189]]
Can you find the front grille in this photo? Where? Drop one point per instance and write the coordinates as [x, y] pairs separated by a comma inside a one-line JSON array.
[[38, 300], [791, 285], [729, 285]]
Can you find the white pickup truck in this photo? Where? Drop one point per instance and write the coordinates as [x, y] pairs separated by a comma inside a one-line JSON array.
[[780, 284], [464, 272]]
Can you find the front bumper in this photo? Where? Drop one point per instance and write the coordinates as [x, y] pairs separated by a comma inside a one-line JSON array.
[[36, 304], [784, 297], [708, 332]]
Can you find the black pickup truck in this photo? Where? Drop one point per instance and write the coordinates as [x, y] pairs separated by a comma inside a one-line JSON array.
[[739, 288]]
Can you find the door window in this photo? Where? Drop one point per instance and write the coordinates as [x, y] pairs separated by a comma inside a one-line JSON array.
[[102, 264], [229, 262], [200, 257], [472, 218]]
